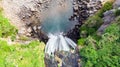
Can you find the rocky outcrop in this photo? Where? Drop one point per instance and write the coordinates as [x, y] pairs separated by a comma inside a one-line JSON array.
[[26, 16], [12, 8], [63, 59], [116, 4], [82, 10], [109, 16]]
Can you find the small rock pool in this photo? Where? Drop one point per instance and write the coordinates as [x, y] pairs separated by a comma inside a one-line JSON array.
[[55, 18]]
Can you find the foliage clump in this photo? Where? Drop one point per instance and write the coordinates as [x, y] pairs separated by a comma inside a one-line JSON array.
[[107, 6], [104, 52], [18, 55], [6, 29], [22, 55], [92, 24], [117, 12]]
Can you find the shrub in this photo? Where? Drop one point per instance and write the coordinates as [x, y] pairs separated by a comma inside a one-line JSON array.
[[16, 55], [81, 41], [91, 26], [107, 6], [6, 29], [101, 53], [94, 22], [117, 12], [104, 52]]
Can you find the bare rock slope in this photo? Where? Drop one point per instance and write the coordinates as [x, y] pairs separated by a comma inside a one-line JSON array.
[[20, 11]]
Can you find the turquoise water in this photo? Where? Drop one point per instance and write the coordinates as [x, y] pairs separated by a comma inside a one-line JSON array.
[[56, 18]]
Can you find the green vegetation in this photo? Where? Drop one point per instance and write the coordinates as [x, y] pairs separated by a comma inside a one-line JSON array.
[[18, 55], [105, 7], [97, 51], [92, 24], [23, 38], [22, 55], [104, 50], [6, 29], [117, 12]]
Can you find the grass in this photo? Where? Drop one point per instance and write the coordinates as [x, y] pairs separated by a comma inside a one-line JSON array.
[[107, 6], [25, 55], [6, 29], [104, 52], [18, 55]]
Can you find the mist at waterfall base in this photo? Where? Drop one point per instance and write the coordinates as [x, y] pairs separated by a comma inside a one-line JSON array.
[[55, 24]]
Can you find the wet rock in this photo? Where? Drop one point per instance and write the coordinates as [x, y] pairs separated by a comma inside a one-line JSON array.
[[63, 59], [38, 33], [71, 60], [50, 61]]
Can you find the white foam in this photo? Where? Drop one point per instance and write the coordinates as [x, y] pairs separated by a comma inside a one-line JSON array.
[[58, 43]]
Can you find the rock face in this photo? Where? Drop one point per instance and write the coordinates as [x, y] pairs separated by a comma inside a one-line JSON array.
[[116, 4], [26, 16], [109, 16], [82, 10], [63, 59]]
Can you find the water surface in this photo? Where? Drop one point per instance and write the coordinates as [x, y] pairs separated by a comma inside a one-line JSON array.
[[56, 18]]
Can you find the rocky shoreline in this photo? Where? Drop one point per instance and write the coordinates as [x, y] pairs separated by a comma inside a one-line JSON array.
[[30, 15]]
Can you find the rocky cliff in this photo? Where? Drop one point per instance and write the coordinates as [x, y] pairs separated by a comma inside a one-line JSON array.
[[26, 14]]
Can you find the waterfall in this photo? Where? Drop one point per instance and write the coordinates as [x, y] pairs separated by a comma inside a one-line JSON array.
[[56, 21], [58, 42]]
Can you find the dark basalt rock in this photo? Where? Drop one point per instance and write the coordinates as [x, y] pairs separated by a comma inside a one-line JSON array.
[[71, 60], [82, 10], [50, 61], [80, 14], [63, 59], [31, 17]]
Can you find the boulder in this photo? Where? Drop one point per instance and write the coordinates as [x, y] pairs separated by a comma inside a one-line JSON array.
[[109, 16], [116, 4], [63, 59]]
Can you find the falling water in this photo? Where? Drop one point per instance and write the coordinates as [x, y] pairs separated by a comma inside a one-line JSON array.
[[56, 22], [58, 43]]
